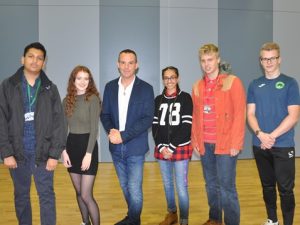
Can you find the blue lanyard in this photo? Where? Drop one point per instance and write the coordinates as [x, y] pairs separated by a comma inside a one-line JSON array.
[[32, 101]]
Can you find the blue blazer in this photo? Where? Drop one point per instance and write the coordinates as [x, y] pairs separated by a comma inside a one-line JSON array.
[[139, 115]]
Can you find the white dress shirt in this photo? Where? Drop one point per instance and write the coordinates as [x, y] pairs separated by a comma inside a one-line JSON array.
[[123, 100]]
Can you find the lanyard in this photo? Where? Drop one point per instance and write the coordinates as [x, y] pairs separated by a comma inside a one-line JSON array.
[[32, 101]]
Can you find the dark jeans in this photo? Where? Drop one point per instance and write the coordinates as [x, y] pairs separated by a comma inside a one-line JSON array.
[[130, 173], [220, 174], [43, 179], [277, 166]]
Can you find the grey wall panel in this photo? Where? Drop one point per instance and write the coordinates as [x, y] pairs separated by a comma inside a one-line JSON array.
[[183, 31], [70, 31], [286, 33], [71, 37], [203, 4], [129, 24], [287, 6], [19, 27], [130, 3], [253, 5], [243, 27]]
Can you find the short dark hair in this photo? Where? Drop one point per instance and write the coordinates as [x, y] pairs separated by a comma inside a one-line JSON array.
[[36, 45], [128, 51]]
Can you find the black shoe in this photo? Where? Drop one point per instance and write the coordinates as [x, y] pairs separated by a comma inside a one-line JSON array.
[[123, 221], [88, 223], [133, 222]]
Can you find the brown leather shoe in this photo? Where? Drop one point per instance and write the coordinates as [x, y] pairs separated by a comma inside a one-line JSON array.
[[170, 219], [212, 222]]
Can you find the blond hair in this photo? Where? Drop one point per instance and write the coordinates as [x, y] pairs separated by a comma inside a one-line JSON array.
[[269, 46], [208, 49]]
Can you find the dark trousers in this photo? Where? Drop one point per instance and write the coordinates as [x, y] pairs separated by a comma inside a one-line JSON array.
[[43, 179], [277, 166]]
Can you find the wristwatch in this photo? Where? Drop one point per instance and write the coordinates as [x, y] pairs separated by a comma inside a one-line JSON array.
[[257, 132]]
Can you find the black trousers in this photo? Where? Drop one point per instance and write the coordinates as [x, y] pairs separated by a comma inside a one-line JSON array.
[[276, 166]]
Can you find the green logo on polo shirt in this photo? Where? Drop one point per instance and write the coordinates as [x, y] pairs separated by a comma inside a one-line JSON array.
[[279, 85]]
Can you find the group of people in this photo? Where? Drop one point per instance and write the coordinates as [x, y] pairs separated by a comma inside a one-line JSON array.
[[36, 129]]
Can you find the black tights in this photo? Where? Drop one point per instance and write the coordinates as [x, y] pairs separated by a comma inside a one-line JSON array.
[[89, 209]]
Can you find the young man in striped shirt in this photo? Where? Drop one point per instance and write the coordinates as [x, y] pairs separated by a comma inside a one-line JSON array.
[[218, 134]]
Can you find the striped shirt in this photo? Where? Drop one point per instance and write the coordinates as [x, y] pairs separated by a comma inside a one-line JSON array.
[[209, 111]]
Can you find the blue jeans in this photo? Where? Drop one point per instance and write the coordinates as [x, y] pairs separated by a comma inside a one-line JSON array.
[[177, 170], [130, 173], [219, 173], [43, 179]]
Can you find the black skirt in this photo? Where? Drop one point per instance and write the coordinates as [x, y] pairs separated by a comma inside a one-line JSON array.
[[76, 149]]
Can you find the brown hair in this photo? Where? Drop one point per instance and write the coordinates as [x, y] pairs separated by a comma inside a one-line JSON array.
[[72, 92]]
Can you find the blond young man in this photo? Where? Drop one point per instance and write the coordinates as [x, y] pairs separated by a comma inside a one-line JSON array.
[[272, 111], [219, 108]]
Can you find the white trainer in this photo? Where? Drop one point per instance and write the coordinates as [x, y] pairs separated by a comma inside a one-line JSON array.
[[270, 222]]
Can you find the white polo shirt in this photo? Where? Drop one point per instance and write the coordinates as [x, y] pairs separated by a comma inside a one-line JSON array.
[[123, 101]]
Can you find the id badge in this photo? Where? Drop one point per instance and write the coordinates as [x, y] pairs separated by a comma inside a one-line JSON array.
[[29, 116], [206, 109]]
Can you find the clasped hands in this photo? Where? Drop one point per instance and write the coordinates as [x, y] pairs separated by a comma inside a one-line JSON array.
[[167, 154], [114, 136], [267, 140]]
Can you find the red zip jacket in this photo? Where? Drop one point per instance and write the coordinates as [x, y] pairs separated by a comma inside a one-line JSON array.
[[230, 103]]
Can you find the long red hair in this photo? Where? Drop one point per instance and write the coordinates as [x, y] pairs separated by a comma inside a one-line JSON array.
[[72, 91]]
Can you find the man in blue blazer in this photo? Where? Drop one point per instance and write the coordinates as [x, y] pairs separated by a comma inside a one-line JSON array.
[[127, 114]]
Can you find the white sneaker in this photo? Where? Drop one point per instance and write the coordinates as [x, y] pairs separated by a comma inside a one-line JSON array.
[[270, 222]]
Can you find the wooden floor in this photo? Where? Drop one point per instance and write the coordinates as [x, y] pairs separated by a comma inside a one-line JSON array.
[[109, 197]]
